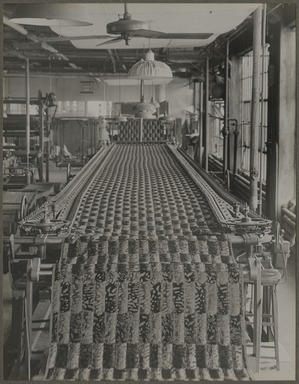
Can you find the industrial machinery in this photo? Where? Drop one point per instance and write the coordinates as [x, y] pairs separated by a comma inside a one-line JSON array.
[[137, 203]]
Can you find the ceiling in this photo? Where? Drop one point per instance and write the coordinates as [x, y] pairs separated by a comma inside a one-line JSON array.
[[69, 57]]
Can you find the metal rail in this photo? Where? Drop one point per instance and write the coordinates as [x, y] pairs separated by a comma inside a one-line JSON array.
[[60, 205]]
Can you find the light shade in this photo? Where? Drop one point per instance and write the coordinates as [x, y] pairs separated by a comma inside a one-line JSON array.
[[145, 115], [149, 68], [145, 106], [51, 14], [121, 119]]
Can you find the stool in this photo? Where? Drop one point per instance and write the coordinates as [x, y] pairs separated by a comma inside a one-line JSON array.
[[260, 278]]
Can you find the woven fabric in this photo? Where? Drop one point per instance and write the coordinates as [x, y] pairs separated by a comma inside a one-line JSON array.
[[129, 131], [155, 131], [150, 290]]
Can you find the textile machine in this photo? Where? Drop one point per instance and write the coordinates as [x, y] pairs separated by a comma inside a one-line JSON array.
[[140, 260]]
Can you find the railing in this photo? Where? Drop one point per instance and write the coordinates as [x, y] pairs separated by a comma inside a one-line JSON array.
[[239, 184]]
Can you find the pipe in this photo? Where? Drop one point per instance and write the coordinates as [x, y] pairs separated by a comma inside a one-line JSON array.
[[290, 214], [32, 37], [225, 130], [27, 121], [262, 107], [141, 90], [255, 109], [289, 221], [248, 240], [236, 135], [82, 148], [112, 60], [41, 135], [194, 96], [207, 116], [47, 154], [200, 122]]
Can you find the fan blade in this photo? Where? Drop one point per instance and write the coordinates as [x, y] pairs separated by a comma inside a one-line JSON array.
[[162, 35], [112, 41], [199, 36], [57, 39]]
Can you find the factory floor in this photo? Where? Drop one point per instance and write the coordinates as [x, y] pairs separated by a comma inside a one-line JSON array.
[[286, 305]]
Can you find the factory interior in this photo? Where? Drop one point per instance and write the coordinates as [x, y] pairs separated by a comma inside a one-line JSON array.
[[149, 191]]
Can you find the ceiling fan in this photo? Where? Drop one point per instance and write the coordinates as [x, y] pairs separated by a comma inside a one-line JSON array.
[[127, 28]]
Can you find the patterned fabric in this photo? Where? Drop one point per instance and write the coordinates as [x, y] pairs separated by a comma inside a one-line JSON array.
[[150, 290], [129, 131], [155, 131]]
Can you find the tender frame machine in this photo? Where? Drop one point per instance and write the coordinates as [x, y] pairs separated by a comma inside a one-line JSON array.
[[34, 250]]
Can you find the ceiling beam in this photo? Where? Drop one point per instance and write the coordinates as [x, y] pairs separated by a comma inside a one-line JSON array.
[[100, 75], [14, 53], [34, 38]]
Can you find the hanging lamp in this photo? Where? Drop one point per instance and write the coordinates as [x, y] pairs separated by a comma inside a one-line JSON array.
[[148, 68], [51, 14], [145, 109], [121, 118]]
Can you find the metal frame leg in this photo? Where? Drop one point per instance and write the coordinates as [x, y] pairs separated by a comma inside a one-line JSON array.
[[28, 316], [266, 310], [17, 324], [257, 316], [275, 321]]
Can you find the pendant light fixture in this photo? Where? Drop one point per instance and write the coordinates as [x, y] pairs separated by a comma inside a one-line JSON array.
[[51, 14], [121, 118], [149, 69], [145, 110]]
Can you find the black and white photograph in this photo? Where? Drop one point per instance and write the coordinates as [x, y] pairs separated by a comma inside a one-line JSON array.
[[149, 191]]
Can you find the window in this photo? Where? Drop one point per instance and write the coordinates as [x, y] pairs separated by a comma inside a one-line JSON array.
[[246, 88], [216, 127]]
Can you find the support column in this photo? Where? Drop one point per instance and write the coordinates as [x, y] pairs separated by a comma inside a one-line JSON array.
[[200, 127], [262, 139], [207, 105], [226, 103], [255, 111], [141, 90], [287, 146], [47, 155], [100, 132], [234, 112], [41, 136], [27, 122], [161, 94], [194, 96]]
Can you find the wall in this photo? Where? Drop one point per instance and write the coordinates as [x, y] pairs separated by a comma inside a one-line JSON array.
[[178, 93], [287, 118], [180, 96]]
